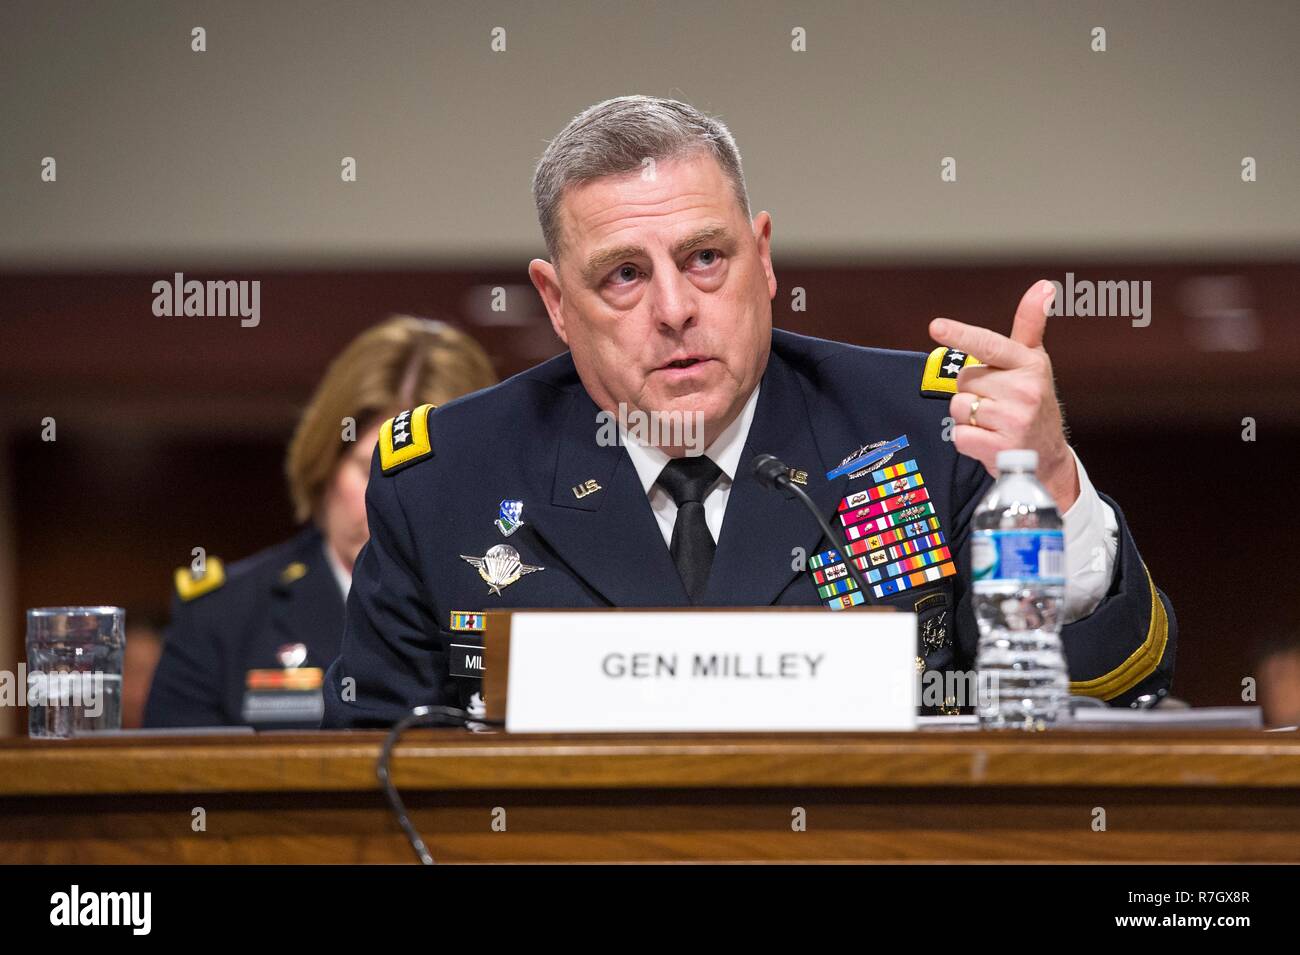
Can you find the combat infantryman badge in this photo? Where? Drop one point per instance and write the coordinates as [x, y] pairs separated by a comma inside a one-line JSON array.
[[874, 455], [511, 517], [500, 567]]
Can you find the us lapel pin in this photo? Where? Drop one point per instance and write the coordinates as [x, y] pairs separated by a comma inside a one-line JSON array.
[[586, 487]]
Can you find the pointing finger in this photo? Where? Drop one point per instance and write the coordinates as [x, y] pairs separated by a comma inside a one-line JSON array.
[[986, 345], [1031, 314]]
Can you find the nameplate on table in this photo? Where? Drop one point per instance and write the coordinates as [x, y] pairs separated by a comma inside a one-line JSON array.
[[743, 671]]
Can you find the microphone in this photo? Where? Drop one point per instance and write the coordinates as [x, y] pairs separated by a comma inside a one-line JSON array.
[[770, 472]]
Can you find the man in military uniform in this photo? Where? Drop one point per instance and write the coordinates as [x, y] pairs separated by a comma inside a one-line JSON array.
[[661, 285]]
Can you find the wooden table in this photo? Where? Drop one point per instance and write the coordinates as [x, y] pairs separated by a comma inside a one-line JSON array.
[[917, 797]]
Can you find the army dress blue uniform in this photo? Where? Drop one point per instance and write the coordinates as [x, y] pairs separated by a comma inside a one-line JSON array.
[[248, 644], [589, 538]]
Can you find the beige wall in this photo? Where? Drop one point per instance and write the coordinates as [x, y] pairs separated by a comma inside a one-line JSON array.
[[233, 155]]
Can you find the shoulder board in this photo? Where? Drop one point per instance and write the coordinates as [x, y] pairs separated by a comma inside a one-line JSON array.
[[940, 377], [404, 439], [295, 571], [189, 586]]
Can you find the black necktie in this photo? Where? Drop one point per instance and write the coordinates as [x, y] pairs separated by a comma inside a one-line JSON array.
[[692, 547]]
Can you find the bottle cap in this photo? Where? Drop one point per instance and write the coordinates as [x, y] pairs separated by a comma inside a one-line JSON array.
[[1018, 460]]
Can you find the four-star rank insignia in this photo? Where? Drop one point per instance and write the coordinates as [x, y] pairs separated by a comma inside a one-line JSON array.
[[405, 439], [500, 567], [939, 380]]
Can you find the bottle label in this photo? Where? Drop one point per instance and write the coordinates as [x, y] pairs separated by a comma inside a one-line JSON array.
[[1019, 555]]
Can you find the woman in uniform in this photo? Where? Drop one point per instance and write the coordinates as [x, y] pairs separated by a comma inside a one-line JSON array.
[[248, 644]]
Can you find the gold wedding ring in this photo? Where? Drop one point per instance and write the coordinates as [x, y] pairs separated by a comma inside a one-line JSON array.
[[974, 410]]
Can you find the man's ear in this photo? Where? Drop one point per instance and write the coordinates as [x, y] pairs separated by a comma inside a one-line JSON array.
[[547, 284], [763, 237]]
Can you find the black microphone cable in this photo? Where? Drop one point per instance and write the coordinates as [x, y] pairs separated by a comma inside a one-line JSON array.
[[420, 716], [772, 473]]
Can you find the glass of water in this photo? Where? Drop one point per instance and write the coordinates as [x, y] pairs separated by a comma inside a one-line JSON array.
[[74, 670]]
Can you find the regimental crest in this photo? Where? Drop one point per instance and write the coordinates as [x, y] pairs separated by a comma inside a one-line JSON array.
[[510, 518], [500, 567]]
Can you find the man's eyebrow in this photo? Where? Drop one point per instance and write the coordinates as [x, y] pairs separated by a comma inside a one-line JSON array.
[[601, 260]]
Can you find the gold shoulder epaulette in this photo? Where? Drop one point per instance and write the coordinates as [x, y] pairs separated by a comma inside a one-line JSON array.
[[188, 586], [940, 378], [404, 439], [295, 571]]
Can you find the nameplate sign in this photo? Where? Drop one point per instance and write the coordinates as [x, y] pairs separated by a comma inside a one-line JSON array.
[[686, 671]]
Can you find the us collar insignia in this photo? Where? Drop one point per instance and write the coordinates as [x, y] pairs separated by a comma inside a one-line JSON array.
[[588, 486], [867, 457], [500, 567], [511, 517]]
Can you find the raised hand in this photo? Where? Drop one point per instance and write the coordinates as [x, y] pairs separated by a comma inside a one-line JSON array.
[[1010, 400]]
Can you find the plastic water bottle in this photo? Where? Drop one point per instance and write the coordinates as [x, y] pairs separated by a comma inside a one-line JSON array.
[[1018, 590]]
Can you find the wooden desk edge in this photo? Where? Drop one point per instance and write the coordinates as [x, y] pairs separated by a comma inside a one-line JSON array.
[[345, 762]]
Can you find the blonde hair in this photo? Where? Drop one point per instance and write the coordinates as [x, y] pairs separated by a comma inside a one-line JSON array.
[[401, 363]]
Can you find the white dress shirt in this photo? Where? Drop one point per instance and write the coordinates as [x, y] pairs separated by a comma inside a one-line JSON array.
[[341, 573], [725, 452], [1091, 542], [1091, 529]]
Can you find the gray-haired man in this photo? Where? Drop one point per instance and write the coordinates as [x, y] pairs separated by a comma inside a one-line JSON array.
[[661, 284]]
